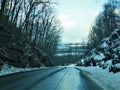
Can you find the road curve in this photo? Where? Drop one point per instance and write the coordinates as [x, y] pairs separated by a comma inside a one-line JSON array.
[[67, 79], [59, 78]]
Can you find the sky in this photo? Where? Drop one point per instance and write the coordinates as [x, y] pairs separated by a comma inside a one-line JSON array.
[[77, 17]]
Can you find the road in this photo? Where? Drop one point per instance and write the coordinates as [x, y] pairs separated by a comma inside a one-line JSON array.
[[57, 78]]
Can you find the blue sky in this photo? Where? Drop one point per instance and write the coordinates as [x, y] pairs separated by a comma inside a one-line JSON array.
[[76, 17]]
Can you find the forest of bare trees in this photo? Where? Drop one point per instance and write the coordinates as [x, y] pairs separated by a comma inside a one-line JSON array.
[[106, 22], [33, 22]]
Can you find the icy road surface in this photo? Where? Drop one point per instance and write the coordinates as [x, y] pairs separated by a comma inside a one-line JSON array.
[[58, 78]]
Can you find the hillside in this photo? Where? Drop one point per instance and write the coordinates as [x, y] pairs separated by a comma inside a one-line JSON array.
[[16, 50], [107, 54]]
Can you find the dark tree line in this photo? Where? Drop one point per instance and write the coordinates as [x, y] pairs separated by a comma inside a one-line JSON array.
[[106, 22], [35, 21]]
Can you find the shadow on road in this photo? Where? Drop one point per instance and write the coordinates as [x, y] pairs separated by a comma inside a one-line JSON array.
[[89, 80]]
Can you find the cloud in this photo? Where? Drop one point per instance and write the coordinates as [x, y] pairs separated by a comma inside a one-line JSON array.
[[75, 35], [76, 25], [67, 19], [94, 14], [77, 17]]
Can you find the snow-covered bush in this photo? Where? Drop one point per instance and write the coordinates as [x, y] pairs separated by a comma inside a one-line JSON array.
[[80, 63], [99, 57], [115, 68], [107, 54]]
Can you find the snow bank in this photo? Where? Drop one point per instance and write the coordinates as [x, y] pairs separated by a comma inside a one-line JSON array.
[[104, 45], [108, 80], [107, 52], [7, 69], [117, 65], [99, 57], [71, 65]]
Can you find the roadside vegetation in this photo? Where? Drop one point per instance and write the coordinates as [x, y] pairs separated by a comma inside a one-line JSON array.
[[103, 46], [29, 32]]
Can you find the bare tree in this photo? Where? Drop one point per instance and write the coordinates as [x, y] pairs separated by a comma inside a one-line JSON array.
[[104, 25], [34, 23]]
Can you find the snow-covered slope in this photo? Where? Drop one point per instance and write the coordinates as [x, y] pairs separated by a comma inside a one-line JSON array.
[[104, 61], [108, 81], [107, 55], [8, 69]]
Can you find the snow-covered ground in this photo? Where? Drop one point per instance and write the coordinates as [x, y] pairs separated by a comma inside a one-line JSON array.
[[71, 65], [108, 80], [7, 69], [107, 56]]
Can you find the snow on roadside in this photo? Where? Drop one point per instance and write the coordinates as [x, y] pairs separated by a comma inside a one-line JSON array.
[[7, 69], [107, 79], [71, 65], [104, 45], [99, 57]]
